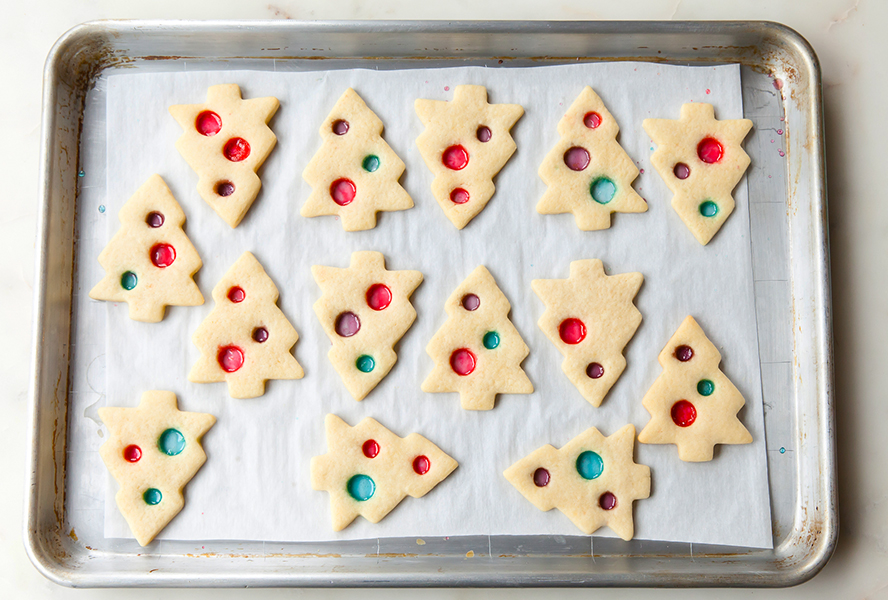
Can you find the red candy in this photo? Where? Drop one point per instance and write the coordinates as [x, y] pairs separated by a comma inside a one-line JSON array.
[[231, 358], [455, 157], [236, 149], [683, 413], [343, 191], [237, 294], [710, 150], [459, 196], [208, 123], [462, 362], [572, 331], [162, 255], [370, 448], [132, 453], [577, 158], [379, 296], [421, 465], [592, 120]]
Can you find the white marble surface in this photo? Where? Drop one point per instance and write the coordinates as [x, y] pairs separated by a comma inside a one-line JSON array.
[[849, 37]]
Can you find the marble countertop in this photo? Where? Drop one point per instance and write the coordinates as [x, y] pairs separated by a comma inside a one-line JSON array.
[[849, 38]]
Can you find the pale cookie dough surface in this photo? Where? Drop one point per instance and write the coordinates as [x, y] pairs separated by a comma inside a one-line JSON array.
[[595, 312], [478, 352], [206, 154], [588, 173], [246, 330], [137, 260], [703, 197], [152, 452], [457, 123], [364, 310], [593, 480], [368, 469], [355, 173], [692, 403]]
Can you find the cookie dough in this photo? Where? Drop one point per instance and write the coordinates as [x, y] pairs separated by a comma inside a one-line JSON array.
[[226, 140], [692, 403], [246, 339], [465, 144], [355, 173], [478, 352], [587, 172], [368, 469], [150, 262], [701, 161], [364, 310], [590, 318], [593, 480], [152, 452]]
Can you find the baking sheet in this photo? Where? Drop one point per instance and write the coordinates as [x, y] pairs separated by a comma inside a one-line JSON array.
[[255, 484]]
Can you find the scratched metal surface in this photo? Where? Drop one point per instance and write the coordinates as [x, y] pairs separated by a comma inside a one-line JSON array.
[[64, 534]]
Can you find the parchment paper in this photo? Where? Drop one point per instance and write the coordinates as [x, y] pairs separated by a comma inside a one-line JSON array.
[[255, 484]]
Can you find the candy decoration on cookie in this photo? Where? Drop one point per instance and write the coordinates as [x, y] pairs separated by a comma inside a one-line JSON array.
[[590, 318], [225, 141], [246, 340], [465, 144], [150, 262], [355, 173], [692, 403], [478, 352], [153, 451], [364, 309], [593, 480], [701, 161], [368, 469], [588, 172]]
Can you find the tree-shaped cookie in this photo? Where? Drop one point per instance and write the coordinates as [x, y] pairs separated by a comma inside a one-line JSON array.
[[701, 161], [355, 173], [478, 352], [364, 309], [465, 144], [588, 172], [153, 451], [692, 403], [593, 480], [149, 263], [590, 318], [246, 339], [226, 140], [368, 469]]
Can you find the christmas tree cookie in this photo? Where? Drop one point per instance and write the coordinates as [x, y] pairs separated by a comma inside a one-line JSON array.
[[465, 143], [593, 480], [246, 340], [152, 452], [368, 469], [478, 352], [150, 262], [226, 140], [364, 309], [692, 403], [355, 173], [590, 318], [701, 161], [588, 172]]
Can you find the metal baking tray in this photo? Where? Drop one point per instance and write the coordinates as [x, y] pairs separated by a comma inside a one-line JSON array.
[[781, 89]]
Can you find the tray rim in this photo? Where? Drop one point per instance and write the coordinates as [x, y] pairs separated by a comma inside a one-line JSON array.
[[67, 58]]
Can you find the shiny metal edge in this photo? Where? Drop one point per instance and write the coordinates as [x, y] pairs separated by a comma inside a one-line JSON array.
[[57, 558]]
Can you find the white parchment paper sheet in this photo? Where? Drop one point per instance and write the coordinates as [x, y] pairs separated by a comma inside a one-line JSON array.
[[255, 484]]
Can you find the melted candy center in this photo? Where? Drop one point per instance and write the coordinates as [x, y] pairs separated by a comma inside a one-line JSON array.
[[594, 370], [683, 413], [237, 294], [577, 158], [370, 448], [132, 453], [162, 255], [592, 120], [681, 171], [208, 123], [684, 353], [361, 488], [541, 477], [421, 464], [343, 191], [572, 331], [455, 158], [470, 302], [347, 324], [589, 465], [230, 358], [710, 150], [607, 501], [379, 296], [484, 134], [236, 149], [154, 219], [459, 196], [462, 362]]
